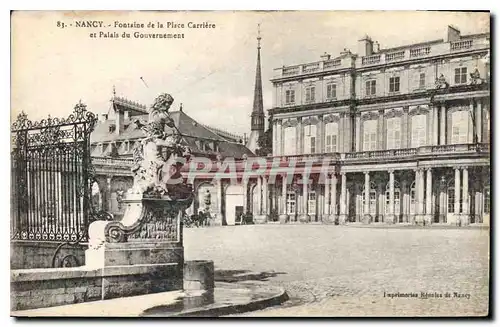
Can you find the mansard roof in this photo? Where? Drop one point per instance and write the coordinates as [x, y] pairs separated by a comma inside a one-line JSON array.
[[188, 127]]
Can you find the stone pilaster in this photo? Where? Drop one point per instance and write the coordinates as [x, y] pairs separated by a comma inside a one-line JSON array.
[[390, 218], [304, 218], [465, 217], [358, 132], [261, 216], [428, 199], [442, 121], [367, 218], [284, 215], [343, 194], [218, 211], [435, 125], [456, 207], [479, 117], [333, 198]]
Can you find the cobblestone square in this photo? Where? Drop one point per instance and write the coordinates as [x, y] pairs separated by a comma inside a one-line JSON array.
[[349, 271]]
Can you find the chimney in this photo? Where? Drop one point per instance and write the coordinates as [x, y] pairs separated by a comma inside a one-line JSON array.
[[325, 56], [345, 52], [365, 46], [376, 47], [452, 34], [120, 117]]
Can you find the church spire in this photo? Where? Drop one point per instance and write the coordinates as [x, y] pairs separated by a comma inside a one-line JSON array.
[[258, 106]]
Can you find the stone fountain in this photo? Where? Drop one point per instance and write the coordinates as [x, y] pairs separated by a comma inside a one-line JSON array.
[[145, 248]]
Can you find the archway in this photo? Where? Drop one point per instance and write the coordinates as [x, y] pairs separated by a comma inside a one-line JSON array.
[[234, 198], [96, 197]]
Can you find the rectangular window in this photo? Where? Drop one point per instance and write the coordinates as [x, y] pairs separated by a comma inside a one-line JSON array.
[[421, 81], [370, 135], [309, 139], [459, 127], [393, 133], [331, 131], [418, 131], [461, 75], [310, 93], [371, 87], [394, 84], [290, 143], [331, 91], [289, 96]]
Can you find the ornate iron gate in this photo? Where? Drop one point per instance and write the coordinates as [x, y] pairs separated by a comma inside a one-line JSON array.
[[51, 177]]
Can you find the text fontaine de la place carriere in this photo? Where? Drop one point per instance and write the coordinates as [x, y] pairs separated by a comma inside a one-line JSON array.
[[147, 30]]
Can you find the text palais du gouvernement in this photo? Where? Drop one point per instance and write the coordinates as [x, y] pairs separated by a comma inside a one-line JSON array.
[[149, 25]]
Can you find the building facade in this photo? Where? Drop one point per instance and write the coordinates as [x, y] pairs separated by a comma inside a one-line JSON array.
[[406, 131]]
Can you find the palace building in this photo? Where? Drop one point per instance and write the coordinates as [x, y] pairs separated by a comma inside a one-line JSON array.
[[407, 130], [381, 135]]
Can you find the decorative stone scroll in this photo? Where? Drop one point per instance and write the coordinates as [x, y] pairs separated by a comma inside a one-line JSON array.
[[157, 219]]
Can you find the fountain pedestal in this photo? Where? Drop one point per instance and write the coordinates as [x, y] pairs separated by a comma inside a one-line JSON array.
[[145, 248]]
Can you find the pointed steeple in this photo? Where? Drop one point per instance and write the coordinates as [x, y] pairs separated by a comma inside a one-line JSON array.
[[258, 105]]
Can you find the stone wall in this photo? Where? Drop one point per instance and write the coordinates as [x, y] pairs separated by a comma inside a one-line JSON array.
[[34, 254], [38, 288]]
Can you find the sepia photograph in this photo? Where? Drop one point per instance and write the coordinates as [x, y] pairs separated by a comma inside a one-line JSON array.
[[247, 164]]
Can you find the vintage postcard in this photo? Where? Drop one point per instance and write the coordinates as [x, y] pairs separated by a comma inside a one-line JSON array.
[[250, 164]]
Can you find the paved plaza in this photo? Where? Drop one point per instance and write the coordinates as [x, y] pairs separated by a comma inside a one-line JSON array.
[[350, 271]]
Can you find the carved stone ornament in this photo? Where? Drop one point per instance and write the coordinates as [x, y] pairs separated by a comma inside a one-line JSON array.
[[393, 113], [419, 110], [290, 122], [312, 120], [331, 118], [370, 115], [441, 82], [475, 78]]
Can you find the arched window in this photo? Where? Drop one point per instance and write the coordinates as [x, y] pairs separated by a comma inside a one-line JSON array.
[[413, 198], [451, 197], [397, 198], [373, 199], [290, 203], [96, 197], [311, 202]]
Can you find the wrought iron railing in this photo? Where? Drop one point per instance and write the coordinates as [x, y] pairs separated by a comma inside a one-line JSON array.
[[51, 172]]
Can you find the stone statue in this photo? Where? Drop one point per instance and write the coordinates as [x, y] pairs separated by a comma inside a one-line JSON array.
[[156, 166], [475, 77], [159, 195], [441, 82]]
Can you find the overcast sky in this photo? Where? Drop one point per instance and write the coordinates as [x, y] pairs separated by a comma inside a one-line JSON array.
[[210, 71]]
